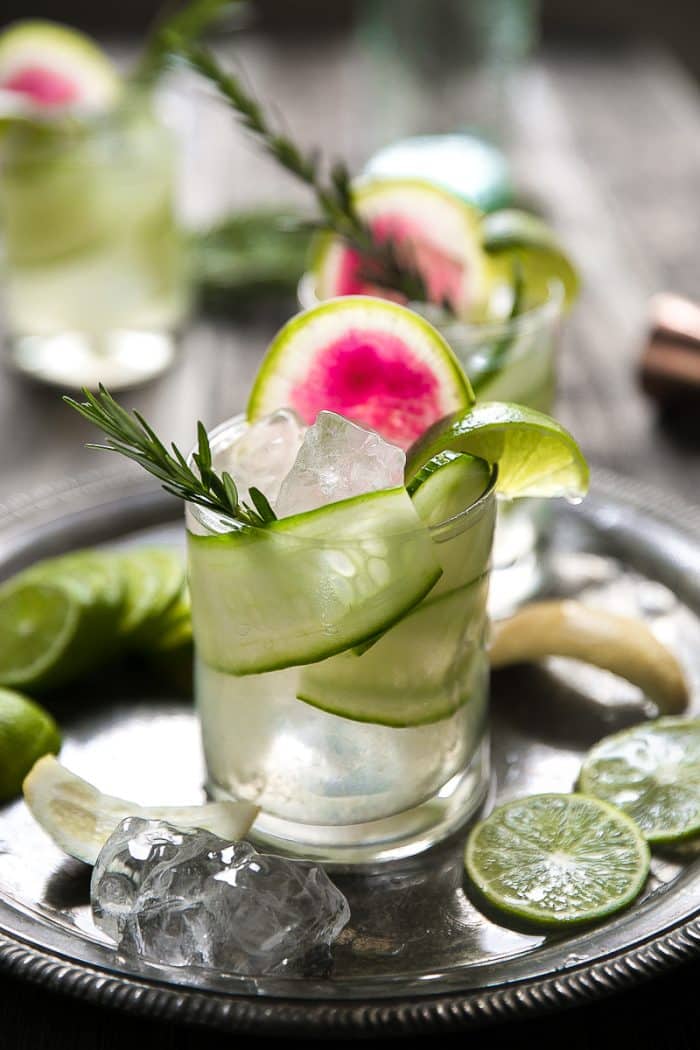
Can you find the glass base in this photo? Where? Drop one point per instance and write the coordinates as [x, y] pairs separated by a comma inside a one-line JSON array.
[[371, 844], [120, 358]]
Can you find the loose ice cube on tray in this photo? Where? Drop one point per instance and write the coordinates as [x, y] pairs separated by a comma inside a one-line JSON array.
[[189, 898], [264, 453], [337, 460]]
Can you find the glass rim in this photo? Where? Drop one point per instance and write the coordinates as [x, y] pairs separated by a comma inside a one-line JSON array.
[[439, 531], [479, 331]]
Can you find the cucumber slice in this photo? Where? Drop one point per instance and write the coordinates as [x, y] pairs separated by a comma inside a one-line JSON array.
[[308, 586], [448, 484], [442, 489], [420, 671]]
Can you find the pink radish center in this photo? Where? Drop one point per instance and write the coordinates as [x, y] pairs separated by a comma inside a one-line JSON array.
[[44, 86], [443, 276], [372, 378]]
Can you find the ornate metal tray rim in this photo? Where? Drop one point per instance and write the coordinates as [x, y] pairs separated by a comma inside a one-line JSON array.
[[564, 976]]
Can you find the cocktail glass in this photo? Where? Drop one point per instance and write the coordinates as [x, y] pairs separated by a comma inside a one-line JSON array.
[[94, 279], [509, 360], [387, 751]]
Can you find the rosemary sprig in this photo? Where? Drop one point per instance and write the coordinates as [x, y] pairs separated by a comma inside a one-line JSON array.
[[382, 263], [188, 23], [131, 436]]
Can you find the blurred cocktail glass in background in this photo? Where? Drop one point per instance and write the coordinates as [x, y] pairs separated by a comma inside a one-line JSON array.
[[94, 276]]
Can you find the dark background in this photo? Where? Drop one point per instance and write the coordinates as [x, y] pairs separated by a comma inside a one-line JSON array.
[[675, 23]]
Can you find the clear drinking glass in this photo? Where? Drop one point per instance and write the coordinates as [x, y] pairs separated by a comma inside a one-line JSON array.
[[387, 753], [94, 279]]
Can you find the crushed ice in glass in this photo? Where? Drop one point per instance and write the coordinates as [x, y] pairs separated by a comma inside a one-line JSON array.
[[189, 898], [337, 460], [264, 454]]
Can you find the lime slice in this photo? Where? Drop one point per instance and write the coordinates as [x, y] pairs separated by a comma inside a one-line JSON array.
[[27, 731], [555, 860], [536, 456], [367, 359], [652, 772], [41, 631], [95, 580], [436, 232], [80, 819], [513, 237], [154, 578]]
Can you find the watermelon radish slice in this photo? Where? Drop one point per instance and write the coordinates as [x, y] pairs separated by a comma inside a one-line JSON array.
[[370, 360], [47, 68], [433, 230]]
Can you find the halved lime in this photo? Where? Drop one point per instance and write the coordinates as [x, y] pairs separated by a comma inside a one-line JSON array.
[[555, 860], [27, 731], [536, 456], [652, 772], [515, 237]]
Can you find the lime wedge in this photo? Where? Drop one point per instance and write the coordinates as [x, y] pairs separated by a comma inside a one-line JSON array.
[[652, 772], [556, 860], [517, 237], [27, 731], [536, 456], [80, 818]]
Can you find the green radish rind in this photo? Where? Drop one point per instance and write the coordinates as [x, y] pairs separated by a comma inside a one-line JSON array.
[[462, 241], [69, 52], [512, 437], [309, 586], [613, 774], [291, 353], [511, 831], [421, 671]]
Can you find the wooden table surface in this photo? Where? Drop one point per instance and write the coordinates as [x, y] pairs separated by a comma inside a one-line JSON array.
[[609, 144]]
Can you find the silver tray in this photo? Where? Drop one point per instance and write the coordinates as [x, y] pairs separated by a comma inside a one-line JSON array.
[[417, 955]]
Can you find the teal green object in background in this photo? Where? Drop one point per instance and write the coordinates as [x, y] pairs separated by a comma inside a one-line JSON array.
[[464, 164]]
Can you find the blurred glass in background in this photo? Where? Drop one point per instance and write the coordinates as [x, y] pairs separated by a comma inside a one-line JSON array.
[[94, 283], [461, 54]]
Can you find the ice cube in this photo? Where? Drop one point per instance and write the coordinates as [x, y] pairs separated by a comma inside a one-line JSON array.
[[264, 453], [189, 898], [337, 460]]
